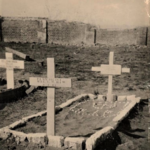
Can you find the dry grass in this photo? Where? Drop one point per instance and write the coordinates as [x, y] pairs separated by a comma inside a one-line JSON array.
[[76, 62]]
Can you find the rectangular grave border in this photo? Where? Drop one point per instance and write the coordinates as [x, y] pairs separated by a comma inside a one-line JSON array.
[[59, 141]]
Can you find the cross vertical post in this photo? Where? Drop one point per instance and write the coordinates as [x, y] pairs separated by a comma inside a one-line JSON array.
[[109, 94], [50, 99], [9, 71], [10, 65], [110, 70], [51, 83]]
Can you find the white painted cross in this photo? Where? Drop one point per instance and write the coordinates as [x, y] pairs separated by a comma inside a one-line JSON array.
[[51, 82], [110, 70], [10, 64]]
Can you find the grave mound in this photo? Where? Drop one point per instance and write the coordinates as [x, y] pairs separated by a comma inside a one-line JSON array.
[[81, 119]]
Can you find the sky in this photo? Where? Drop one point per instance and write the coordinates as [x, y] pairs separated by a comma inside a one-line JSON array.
[[102, 13]]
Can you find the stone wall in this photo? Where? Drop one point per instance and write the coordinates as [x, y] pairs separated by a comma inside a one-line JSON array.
[[42, 30], [24, 30], [135, 36], [66, 32]]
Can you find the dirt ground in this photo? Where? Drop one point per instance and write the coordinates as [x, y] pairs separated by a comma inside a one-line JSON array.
[[75, 62], [75, 121]]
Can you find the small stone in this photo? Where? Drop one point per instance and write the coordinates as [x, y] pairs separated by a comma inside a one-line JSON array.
[[4, 134], [55, 141], [75, 143], [102, 97], [122, 98], [36, 138], [131, 97]]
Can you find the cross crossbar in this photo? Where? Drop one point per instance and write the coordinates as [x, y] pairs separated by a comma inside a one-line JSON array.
[[51, 82]]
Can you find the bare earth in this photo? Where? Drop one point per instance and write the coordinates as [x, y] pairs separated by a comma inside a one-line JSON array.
[[80, 119], [76, 62]]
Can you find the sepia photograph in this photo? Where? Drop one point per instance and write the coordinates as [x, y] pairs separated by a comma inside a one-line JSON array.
[[75, 75]]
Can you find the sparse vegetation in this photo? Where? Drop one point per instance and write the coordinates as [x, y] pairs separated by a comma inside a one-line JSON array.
[[76, 62]]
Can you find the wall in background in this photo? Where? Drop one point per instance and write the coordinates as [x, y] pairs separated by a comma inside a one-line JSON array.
[[66, 32], [43, 30], [135, 36], [23, 30]]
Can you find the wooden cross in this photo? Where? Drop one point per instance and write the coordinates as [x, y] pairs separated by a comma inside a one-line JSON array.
[[110, 70], [10, 64], [51, 82]]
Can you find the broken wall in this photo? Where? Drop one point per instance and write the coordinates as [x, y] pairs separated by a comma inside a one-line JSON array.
[[24, 30]]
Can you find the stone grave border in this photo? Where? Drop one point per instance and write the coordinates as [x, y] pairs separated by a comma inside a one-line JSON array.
[[79, 143]]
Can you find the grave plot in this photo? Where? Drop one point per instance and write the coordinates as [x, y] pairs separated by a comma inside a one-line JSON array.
[[9, 91], [85, 119], [81, 118], [78, 130]]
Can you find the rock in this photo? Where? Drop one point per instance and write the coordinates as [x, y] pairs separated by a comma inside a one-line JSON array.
[[102, 97], [92, 96], [113, 97], [131, 97], [122, 98], [75, 143], [4, 134], [37, 138], [19, 136], [55, 141]]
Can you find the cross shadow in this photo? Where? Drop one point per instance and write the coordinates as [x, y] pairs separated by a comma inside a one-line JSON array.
[[2, 105]]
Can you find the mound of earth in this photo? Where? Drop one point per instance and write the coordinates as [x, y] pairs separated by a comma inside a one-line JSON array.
[[80, 119]]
